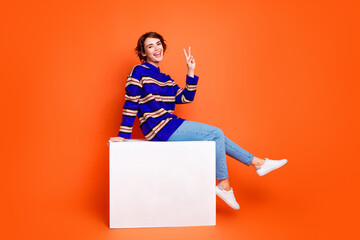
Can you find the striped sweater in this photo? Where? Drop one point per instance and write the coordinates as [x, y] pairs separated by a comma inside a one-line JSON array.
[[151, 95]]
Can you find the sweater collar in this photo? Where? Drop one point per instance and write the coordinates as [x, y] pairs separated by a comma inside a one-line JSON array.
[[152, 67]]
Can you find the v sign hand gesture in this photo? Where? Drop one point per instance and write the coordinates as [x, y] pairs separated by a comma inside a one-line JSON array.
[[190, 61]]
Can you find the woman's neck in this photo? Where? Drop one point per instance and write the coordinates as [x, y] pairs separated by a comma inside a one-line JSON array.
[[156, 64]]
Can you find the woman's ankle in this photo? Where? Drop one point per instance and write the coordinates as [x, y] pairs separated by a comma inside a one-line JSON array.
[[225, 184], [257, 161]]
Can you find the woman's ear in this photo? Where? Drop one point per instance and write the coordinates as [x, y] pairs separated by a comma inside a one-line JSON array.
[[143, 54]]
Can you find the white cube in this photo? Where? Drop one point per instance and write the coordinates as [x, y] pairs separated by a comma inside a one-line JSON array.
[[162, 184]]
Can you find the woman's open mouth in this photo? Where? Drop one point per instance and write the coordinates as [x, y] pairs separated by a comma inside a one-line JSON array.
[[157, 55]]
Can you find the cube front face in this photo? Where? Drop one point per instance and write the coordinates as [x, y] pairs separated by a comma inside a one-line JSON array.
[[162, 184]]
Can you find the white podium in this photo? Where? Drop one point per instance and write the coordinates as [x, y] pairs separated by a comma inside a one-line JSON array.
[[162, 184]]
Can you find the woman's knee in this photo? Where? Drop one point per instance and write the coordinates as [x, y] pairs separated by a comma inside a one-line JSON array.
[[218, 133]]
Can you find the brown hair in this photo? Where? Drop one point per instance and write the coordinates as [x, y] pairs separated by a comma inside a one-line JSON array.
[[140, 48]]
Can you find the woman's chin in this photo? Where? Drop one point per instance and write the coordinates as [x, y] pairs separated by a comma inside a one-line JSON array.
[[157, 61]]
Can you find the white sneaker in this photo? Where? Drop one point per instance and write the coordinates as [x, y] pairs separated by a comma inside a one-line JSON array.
[[227, 196], [270, 165]]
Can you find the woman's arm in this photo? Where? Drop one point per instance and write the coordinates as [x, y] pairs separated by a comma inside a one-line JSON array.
[[133, 89], [133, 93], [187, 94]]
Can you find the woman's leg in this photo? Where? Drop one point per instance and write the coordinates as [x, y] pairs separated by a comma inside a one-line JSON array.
[[235, 151], [262, 166], [194, 131]]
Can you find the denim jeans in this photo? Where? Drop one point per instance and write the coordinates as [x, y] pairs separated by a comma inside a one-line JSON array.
[[194, 131]]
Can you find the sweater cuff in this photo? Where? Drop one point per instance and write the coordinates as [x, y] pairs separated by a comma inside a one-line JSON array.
[[124, 135], [192, 80]]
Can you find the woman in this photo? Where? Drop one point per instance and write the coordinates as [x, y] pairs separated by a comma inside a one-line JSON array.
[[151, 95]]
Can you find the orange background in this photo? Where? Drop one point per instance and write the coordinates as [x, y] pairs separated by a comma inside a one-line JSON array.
[[279, 77]]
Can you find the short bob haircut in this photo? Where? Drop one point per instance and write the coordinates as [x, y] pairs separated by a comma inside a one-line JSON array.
[[140, 48]]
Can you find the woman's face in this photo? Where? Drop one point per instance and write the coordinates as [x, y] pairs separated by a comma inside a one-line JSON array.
[[153, 50]]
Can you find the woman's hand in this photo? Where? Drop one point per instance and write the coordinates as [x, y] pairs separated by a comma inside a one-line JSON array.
[[190, 61], [115, 139]]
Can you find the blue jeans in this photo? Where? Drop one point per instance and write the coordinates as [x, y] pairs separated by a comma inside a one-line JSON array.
[[194, 131]]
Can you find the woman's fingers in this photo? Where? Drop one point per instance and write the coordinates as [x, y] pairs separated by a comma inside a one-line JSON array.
[[116, 139], [185, 54], [191, 59]]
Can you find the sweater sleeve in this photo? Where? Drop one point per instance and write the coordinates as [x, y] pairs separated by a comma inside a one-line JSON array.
[[133, 90], [187, 94]]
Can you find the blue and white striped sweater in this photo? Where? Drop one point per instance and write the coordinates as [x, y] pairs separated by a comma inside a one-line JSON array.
[[152, 95]]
